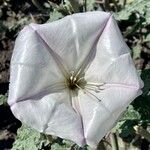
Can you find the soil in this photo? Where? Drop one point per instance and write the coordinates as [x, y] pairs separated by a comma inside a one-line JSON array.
[[14, 15]]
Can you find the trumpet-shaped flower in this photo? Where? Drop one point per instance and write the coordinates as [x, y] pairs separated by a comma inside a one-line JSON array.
[[72, 78]]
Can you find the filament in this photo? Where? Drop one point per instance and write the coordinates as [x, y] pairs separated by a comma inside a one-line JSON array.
[[96, 84], [85, 90], [80, 79], [93, 95]]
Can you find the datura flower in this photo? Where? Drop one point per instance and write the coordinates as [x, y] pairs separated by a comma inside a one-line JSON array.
[[72, 78]]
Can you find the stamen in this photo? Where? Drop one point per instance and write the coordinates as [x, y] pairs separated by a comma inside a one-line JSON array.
[[93, 95], [72, 77], [96, 84], [80, 79], [95, 87], [78, 86], [72, 73], [84, 90], [76, 75], [78, 82]]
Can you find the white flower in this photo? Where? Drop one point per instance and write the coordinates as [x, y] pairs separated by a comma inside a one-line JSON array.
[[73, 77]]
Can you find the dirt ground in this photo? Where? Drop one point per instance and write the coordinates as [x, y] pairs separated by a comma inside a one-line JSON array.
[[14, 15]]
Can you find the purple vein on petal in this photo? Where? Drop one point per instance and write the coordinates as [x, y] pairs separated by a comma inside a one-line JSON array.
[[91, 55], [75, 100], [54, 88], [123, 85], [55, 56]]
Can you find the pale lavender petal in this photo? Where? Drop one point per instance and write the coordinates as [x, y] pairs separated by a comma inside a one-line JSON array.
[[52, 115], [43, 57], [33, 69], [73, 37], [114, 67], [112, 62], [101, 111]]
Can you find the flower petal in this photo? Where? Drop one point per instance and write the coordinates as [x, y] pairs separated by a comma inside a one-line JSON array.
[[52, 115], [45, 54], [120, 72], [112, 62], [100, 111], [113, 66], [73, 37], [33, 69]]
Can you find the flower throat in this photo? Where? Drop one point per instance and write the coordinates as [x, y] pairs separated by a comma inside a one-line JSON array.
[[75, 81]]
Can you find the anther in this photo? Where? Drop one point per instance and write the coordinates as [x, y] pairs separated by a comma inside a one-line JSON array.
[[95, 87]]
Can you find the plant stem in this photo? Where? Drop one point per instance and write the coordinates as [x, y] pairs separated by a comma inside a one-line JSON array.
[[116, 5], [124, 3], [121, 144], [39, 6], [106, 5], [142, 132], [75, 5], [101, 146], [114, 142]]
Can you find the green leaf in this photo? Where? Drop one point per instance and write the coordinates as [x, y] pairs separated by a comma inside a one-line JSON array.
[[141, 7], [3, 99], [142, 103], [129, 115], [147, 16], [145, 75], [64, 146], [147, 39], [137, 51], [29, 139], [68, 145], [90, 5], [55, 15]]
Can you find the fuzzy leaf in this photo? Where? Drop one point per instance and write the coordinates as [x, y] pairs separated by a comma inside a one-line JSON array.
[[137, 51], [55, 15], [147, 39], [140, 6], [3, 99], [90, 4], [129, 115], [29, 139]]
